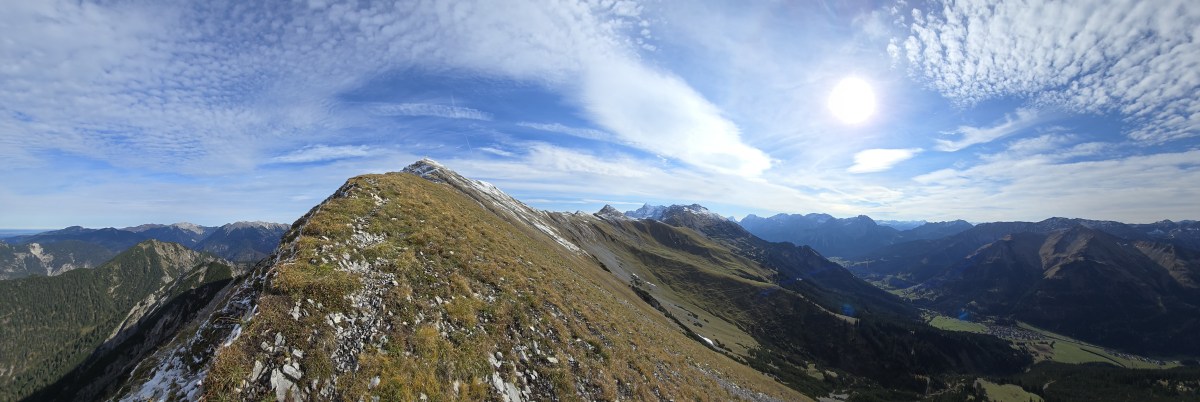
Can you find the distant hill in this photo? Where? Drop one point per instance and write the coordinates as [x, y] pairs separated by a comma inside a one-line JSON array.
[[843, 237], [243, 241], [76, 335], [7, 233], [900, 225], [57, 251]]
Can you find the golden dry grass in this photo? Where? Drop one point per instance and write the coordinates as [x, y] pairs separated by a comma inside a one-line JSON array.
[[502, 288]]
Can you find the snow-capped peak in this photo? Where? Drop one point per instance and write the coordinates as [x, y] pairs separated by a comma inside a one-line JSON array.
[[647, 211]]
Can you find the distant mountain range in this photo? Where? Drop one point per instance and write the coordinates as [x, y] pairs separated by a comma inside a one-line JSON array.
[[1131, 287], [833, 237], [1060, 274], [57, 251], [427, 285]]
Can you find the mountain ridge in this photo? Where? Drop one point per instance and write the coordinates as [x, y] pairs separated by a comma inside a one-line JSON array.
[[427, 264], [53, 252]]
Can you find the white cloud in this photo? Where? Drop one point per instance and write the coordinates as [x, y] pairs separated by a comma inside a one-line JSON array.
[[323, 153], [178, 88], [660, 112], [586, 133], [573, 162], [1018, 185], [496, 151], [1024, 119], [878, 160], [1040, 144], [428, 109], [1131, 57]]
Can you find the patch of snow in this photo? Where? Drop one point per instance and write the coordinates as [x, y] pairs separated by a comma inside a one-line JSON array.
[[429, 170], [190, 227]]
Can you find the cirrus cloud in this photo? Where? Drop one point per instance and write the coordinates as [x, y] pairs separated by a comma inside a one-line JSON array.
[[323, 153], [1136, 58], [879, 159]]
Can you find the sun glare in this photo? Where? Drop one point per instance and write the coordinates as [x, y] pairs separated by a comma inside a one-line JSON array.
[[852, 100]]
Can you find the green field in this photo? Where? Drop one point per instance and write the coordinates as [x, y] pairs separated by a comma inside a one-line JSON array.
[[1056, 347], [1064, 349], [952, 324], [1006, 393]]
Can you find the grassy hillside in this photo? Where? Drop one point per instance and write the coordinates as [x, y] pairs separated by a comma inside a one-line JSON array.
[[733, 300], [401, 288]]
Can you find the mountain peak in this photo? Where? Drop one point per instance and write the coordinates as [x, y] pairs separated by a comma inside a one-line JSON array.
[[190, 227], [251, 224], [426, 168], [144, 227], [611, 213], [647, 211]]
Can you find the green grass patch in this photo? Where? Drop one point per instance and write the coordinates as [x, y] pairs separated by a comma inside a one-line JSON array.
[[1006, 392], [952, 324]]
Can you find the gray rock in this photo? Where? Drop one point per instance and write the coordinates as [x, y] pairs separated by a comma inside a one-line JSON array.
[[257, 371], [282, 385], [293, 370]]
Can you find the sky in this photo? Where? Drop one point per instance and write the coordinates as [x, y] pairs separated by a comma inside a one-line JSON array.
[[117, 113]]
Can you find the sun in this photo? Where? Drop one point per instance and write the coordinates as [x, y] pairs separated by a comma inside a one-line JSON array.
[[852, 100]]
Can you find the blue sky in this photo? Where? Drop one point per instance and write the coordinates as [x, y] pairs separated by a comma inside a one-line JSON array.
[[118, 113]]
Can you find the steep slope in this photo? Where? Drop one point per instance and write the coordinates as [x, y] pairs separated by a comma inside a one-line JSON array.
[[766, 318], [1183, 264], [990, 281], [74, 335], [800, 268], [408, 287], [243, 241]]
